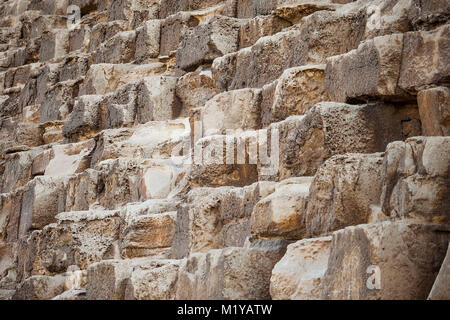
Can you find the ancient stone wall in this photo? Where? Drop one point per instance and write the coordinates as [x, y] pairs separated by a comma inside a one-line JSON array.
[[224, 149]]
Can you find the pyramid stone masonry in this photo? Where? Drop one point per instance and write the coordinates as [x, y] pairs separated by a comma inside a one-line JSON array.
[[224, 149]]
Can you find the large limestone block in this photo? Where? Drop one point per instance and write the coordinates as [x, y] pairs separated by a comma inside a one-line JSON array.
[[233, 110], [40, 288], [135, 12], [17, 170], [225, 160], [343, 191], [147, 234], [62, 160], [311, 43], [59, 100], [157, 100], [153, 280], [441, 286], [387, 260], [78, 239], [72, 295], [194, 89], [172, 30], [207, 41], [231, 273], [113, 183], [259, 27], [147, 40], [370, 71], [297, 90], [425, 59], [54, 44], [103, 31], [105, 78], [107, 280], [214, 218], [282, 213], [84, 121], [10, 206], [40, 202], [169, 7], [155, 139], [299, 274], [332, 128], [415, 179], [434, 109], [119, 49]]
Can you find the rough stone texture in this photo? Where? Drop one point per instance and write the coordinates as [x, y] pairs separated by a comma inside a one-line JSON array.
[[297, 90], [299, 274], [231, 273], [155, 280], [40, 288], [214, 218], [434, 108], [407, 254], [237, 109], [201, 45], [173, 149], [342, 192], [416, 179], [195, 89], [282, 213], [331, 128]]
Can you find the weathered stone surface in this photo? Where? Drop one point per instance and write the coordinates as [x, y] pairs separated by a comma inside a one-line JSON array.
[[440, 290], [155, 139], [204, 43], [434, 108], [299, 274], [342, 193], [106, 78], [147, 40], [297, 90], [425, 59], [71, 295], [40, 288], [370, 71], [307, 141], [119, 49], [387, 260], [107, 280], [155, 280], [231, 273], [133, 11], [146, 234], [17, 170], [194, 90], [415, 179], [63, 160], [237, 109], [215, 163], [214, 218], [78, 239], [266, 60], [282, 213], [259, 27], [84, 119], [169, 7], [54, 44], [40, 202]]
